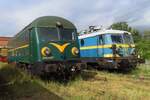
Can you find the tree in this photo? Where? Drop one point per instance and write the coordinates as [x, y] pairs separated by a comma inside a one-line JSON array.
[[146, 35], [120, 26], [124, 26]]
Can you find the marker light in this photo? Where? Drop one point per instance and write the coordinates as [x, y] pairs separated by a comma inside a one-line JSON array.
[[46, 51], [75, 51]]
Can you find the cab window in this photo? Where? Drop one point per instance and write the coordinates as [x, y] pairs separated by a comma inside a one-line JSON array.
[[48, 34], [128, 38], [116, 38], [56, 34], [67, 34]]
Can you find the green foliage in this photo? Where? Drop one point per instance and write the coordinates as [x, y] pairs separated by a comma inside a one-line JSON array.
[[143, 70], [143, 44], [147, 35], [124, 26], [143, 47], [121, 26]]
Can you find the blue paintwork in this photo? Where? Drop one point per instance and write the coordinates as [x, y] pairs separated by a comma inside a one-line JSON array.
[[107, 39], [92, 41], [100, 52]]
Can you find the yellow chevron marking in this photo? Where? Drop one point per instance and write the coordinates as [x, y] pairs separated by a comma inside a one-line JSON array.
[[106, 46], [61, 48]]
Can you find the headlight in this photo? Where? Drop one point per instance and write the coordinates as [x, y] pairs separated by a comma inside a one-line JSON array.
[[46, 51], [139, 56], [75, 51]]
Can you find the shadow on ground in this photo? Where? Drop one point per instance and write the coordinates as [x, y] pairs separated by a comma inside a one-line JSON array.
[[88, 74], [84, 75], [14, 85], [119, 71]]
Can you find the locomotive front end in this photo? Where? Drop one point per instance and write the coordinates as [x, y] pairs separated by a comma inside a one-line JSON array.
[[122, 52], [58, 47]]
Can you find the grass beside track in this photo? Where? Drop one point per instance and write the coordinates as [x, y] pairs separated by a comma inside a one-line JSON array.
[[90, 85]]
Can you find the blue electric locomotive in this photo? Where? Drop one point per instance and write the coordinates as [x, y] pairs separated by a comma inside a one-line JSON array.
[[108, 49]]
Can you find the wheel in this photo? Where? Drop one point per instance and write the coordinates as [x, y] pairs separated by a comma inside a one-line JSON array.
[[36, 69]]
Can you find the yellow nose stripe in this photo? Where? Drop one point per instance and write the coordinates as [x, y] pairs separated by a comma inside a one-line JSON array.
[[61, 48]]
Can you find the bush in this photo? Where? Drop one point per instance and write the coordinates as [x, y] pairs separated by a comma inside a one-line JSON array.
[[143, 47]]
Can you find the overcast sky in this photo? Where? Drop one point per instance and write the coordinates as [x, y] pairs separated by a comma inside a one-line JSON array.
[[16, 14]]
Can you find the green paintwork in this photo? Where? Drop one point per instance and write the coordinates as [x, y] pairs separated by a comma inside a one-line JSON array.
[[48, 21], [32, 52], [57, 55]]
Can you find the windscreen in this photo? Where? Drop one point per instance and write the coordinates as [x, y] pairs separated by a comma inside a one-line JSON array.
[[116, 38], [56, 34], [67, 34], [48, 34], [128, 38]]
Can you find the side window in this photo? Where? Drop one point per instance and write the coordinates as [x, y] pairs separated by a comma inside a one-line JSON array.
[[101, 41], [82, 42], [27, 37]]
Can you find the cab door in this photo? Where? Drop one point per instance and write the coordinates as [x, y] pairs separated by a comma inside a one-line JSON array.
[[31, 45], [88, 47], [100, 46]]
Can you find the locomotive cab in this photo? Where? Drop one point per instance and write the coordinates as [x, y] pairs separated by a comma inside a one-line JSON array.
[[121, 44], [58, 43], [49, 44]]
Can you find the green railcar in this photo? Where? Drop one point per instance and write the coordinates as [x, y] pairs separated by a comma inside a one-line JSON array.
[[48, 44]]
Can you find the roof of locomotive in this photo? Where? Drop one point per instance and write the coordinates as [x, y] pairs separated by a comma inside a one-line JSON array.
[[49, 21], [46, 21], [102, 32]]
